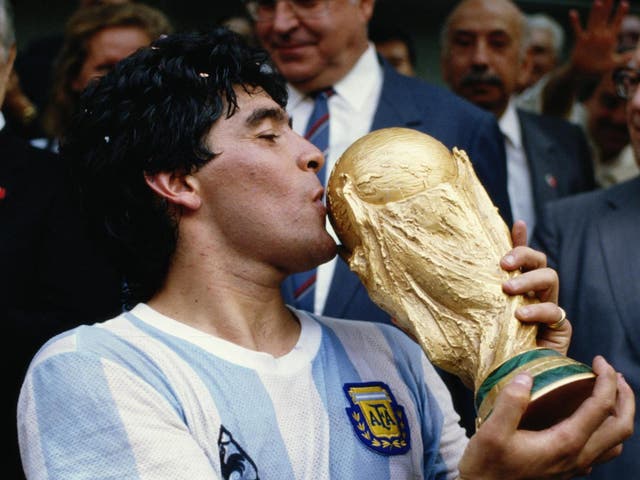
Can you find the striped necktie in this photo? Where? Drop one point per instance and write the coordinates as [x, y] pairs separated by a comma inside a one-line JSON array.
[[317, 132]]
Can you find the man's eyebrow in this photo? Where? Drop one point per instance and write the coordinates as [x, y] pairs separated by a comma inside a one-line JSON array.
[[258, 115]]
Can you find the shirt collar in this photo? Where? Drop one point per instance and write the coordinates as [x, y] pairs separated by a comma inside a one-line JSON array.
[[355, 86], [510, 125], [2, 121]]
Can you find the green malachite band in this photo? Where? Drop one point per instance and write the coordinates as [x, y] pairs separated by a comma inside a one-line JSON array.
[[540, 380]]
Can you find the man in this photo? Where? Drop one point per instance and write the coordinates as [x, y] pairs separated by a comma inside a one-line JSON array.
[[201, 190], [482, 58], [324, 44], [590, 240], [52, 277], [544, 47], [603, 116]]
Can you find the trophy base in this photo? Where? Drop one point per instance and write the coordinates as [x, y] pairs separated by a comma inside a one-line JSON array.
[[560, 385]]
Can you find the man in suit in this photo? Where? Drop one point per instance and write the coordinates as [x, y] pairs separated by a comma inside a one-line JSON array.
[[327, 45], [483, 58], [51, 277], [591, 239]]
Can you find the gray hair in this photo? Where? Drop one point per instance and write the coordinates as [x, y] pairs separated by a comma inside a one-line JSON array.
[[7, 32], [545, 22]]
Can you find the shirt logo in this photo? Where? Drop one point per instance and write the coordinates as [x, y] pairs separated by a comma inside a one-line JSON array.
[[378, 421], [234, 461]]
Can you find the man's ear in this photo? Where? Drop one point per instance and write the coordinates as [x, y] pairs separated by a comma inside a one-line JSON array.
[[178, 189]]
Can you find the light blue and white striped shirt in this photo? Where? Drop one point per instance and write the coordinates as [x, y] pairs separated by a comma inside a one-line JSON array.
[[143, 396]]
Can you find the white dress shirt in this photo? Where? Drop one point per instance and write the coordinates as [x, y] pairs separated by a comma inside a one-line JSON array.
[[518, 173], [351, 112]]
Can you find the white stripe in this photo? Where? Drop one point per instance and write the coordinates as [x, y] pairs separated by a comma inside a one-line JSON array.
[[200, 411]]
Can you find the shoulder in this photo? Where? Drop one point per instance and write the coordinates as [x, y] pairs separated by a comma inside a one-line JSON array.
[[549, 123], [438, 99]]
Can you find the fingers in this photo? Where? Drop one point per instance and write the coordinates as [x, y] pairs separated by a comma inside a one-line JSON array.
[[606, 442], [511, 404], [542, 283], [619, 15], [602, 402], [523, 258], [545, 314], [574, 21], [519, 234]]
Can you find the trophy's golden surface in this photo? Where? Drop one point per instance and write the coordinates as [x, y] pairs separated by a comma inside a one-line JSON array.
[[426, 240]]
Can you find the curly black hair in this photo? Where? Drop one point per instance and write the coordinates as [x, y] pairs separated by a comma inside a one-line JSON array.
[[151, 114]]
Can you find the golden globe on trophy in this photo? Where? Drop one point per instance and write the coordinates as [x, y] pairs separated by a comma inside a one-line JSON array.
[[426, 241]]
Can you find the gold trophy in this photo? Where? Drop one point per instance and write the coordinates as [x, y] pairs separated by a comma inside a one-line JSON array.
[[426, 241]]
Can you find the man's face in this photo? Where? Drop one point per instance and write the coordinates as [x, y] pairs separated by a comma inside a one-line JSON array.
[[261, 194], [607, 120], [316, 52], [396, 53], [482, 62], [541, 53], [106, 48]]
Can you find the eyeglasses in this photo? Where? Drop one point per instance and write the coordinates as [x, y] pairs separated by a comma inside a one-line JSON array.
[[626, 80], [265, 10]]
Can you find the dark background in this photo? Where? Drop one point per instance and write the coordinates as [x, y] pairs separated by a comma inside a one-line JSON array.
[[422, 18]]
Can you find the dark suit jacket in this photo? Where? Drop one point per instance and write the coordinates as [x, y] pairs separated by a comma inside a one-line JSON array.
[[51, 277], [593, 241], [559, 157]]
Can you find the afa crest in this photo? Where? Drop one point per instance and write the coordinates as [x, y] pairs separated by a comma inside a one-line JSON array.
[[378, 421]]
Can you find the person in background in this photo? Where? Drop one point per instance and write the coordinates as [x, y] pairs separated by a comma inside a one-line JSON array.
[[95, 39], [53, 277], [323, 47], [545, 46], [28, 91], [591, 239], [212, 200], [396, 45], [602, 114], [482, 58]]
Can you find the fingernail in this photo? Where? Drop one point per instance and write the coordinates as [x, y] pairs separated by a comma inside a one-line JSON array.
[[523, 379], [524, 312], [513, 283], [509, 260]]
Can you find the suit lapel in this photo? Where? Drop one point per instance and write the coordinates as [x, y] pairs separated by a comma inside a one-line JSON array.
[[396, 107], [617, 228], [541, 153]]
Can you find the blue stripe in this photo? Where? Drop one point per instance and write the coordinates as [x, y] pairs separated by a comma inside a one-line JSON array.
[[408, 358], [74, 410], [344, 442], [237, 393]]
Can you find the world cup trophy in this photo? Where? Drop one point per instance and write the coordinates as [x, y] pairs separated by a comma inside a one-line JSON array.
[[423, 236]]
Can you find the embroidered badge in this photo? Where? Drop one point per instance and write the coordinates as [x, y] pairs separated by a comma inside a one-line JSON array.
[[234, 461], [378, 421]]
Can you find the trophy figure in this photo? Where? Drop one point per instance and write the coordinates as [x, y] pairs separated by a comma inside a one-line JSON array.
[[425, 239]]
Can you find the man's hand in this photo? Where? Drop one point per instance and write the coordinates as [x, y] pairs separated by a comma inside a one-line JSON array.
[[539, 281], [595, 46], [593, 434]]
